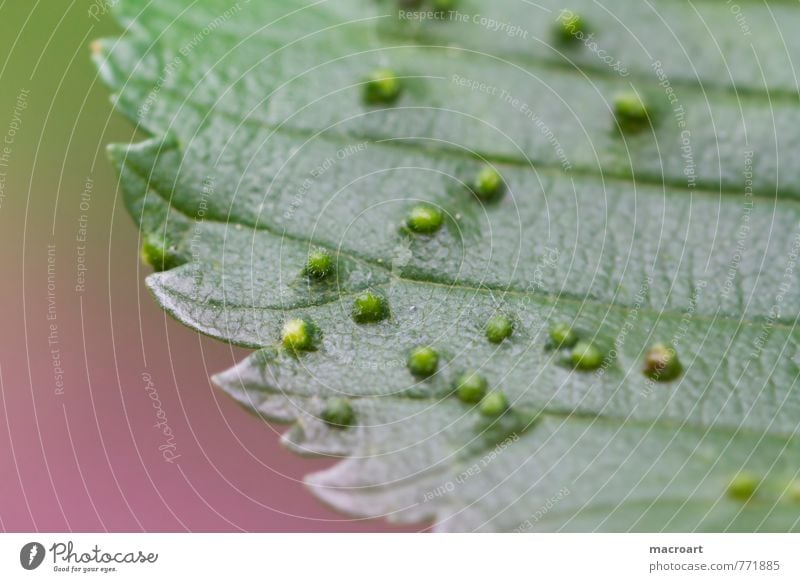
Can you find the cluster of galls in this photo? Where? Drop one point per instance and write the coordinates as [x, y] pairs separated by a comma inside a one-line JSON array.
[[661, 362], [582, 354], [470, 388], [384, 87], [426, 219]]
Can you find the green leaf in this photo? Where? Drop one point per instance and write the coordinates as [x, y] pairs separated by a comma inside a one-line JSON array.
[[682, 233]]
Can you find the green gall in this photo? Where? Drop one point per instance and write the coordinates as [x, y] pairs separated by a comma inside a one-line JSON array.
[[443, 5], [499, 328], [425, 219], [423, 361], [339, 413], [369, 308], [661, 363], [586, 356], [471, 388], [382, 86], [743, 486], [319, 264], [297, 335], [570, 27], [630, 111], [563, 336], [159, 254], [488, 184], [494, 404]]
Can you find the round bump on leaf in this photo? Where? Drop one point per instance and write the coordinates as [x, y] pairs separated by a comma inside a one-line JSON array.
[[471, 388], [382, 86], [630, 110], [586, 356], [369, 308], [319, 264], [339, 413], [499, 328], [562, 335], [423, 361], [488, 184], [444, 5], [494, 404], [297, 335], [570, 27], [425, 219], [661, 363], [159, 254], [743, 486]]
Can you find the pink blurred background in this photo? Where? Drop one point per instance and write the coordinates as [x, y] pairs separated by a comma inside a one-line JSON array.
[[79, 449]]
